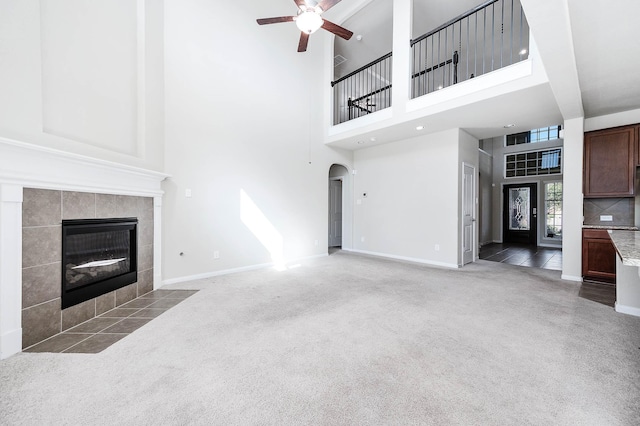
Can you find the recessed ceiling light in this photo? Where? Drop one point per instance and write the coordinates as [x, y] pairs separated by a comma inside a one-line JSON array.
[[523, 52], [508, 126], [372, 139], [439, 87], [419, 127]]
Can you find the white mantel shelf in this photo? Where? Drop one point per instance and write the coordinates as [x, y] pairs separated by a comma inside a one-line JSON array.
[[36, 166]]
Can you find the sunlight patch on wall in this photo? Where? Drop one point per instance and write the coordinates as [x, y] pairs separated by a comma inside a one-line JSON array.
[[262, 229]]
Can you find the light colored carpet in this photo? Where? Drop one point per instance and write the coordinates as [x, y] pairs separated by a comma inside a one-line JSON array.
[[349, 339]]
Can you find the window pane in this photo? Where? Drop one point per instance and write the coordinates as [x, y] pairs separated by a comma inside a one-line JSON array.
[[543, 162], [553, 209], [536, 135]]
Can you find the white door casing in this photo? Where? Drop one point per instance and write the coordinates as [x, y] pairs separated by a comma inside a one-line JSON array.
[[468, 213]]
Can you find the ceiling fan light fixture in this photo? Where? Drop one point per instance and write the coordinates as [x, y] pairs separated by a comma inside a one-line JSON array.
[[309, 22]]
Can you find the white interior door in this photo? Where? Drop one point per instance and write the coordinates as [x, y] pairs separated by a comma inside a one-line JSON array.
[[468, 213], [335, 213]]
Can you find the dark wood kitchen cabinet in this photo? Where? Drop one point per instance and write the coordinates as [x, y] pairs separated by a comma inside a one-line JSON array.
[[610, 160], [598, 256]]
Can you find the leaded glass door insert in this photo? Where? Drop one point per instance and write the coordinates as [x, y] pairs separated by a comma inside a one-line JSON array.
[[519, 202], [520, 214]]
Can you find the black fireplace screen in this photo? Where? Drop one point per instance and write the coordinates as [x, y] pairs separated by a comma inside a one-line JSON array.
[[99, 256]]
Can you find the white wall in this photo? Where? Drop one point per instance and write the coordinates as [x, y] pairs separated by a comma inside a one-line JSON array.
[[412, 201], [242, 117], [612, 120], [84, 77], [485, 208]]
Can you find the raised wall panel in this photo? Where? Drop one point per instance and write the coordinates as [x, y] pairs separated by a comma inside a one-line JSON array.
[[90, 72]]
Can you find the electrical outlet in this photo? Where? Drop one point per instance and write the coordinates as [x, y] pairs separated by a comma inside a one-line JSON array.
[[187, 193], [437, 247], [216, 254]]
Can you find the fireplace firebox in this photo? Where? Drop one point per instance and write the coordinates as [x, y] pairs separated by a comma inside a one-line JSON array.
[[98, 256]]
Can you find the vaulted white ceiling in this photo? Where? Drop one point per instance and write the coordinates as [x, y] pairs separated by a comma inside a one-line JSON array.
[[607, 54]]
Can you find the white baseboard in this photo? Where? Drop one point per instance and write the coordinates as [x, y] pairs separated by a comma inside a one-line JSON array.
[[11, 343], [571, 278], [408, 259], [629, 310], [234, 270], [549, 245]]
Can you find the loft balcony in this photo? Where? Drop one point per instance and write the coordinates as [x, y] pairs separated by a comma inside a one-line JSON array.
[[485, 46]]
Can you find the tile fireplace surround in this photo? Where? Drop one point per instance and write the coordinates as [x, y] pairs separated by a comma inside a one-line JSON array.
[[42, 213], [39, 187]]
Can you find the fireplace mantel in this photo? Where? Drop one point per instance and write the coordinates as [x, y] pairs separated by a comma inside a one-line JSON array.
[[24, 165]]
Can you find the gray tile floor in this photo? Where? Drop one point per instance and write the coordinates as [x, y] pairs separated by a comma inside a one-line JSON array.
[[546, 258], [523, 255], [101, 332]]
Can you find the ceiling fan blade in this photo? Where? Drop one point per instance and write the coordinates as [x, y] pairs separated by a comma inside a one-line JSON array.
[[337, 29], [300, 3], [277, 20], [327, 4], [304, 40]]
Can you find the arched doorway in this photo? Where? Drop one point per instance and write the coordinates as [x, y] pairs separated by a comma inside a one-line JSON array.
[[339, 217]]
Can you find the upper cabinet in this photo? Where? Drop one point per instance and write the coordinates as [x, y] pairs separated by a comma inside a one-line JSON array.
[[610, 160]]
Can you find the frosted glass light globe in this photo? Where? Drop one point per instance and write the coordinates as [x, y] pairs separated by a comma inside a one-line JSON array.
[[309, 22]]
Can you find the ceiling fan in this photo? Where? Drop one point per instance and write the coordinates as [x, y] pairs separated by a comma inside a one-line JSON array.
[[309, 20]]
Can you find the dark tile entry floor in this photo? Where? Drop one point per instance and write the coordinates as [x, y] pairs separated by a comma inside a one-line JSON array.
[[599, 292], [99, 333], [546, 258], [523, 255]]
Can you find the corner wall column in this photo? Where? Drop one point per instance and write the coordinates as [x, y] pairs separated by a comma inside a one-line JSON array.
[[157, 242], [401, 69], [10, 270], [572, 198]]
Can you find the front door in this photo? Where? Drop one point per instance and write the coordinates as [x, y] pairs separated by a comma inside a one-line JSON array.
[[520, 214]]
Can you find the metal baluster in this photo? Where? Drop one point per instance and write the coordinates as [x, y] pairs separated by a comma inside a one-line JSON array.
[[351, 89], [388, 91], [460, 40], [484, 40], [467, 72], [521, 28], [433, 74], [511, 35], [423, 66], [493, 33], [446, 52], [501, 32]]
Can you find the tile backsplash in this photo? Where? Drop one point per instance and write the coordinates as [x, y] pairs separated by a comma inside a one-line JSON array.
[[620, 210]]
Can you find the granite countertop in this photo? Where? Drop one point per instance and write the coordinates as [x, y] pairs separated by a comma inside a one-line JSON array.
[[619, 227], [627, 244]]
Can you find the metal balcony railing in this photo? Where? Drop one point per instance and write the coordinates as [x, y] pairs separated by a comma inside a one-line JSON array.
[[490, 36], [486, 38], [363, 91]]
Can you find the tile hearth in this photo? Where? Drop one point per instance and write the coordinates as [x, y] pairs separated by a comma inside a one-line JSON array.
[[101, 332]]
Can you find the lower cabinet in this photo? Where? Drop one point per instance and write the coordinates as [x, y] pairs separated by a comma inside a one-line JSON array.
[[598, 256]]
